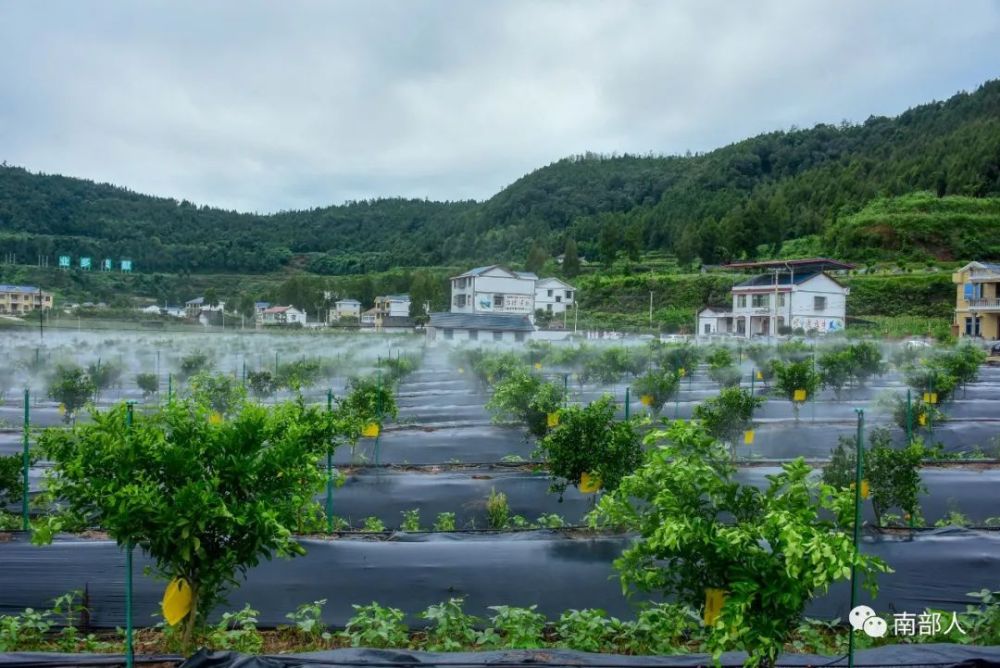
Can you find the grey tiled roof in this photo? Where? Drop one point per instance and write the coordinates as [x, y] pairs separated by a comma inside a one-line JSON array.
[[507, 322]]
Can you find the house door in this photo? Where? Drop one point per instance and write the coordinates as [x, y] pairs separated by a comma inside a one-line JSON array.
[[708, 328]]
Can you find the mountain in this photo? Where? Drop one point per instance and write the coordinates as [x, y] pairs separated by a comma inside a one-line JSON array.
[[741, 200]]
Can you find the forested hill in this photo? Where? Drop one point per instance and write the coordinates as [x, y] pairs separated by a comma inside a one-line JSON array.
[[737, 201]]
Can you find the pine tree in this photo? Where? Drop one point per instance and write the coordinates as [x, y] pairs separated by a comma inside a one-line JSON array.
[[571, 260]]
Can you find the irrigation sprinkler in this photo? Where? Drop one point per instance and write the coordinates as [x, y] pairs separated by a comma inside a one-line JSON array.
[[858, 468], [25, 462]]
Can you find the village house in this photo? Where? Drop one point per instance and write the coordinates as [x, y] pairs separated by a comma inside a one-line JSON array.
[[344, 309], [553, 296], [18, 299], [283, 315], [499, 327], [791, 296], [977, 300], [196, 306], [493, 289]]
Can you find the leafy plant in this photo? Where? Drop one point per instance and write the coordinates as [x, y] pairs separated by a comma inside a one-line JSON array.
[[370, 399], [222, 393], [584, 630], [659, 385], [893, 475], [411, 520], [378, 627], [205, 499], [261, 383], [497, 510], [193, 364], [11, 478], [104, 376], [550, 521], [726, 416], [450, 628], [836, 368], [770, 552], [445, 522], [522, 397], [237, 631], [590, 440], [373, 524], [792, 377], [307, 621], [518, 628], [662, 628], [149, 383], [71, 387]]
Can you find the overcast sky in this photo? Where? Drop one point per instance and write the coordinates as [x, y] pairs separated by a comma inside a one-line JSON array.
[[262, 106]]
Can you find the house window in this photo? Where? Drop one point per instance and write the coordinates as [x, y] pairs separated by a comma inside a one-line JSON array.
[[549, 293], [741, 326], [972, 327], [497, 301], [558, 299], [473, 334], [498, 336], [781, 299], [819, 303], [519, 336], [548, 307], [569, 295], [708, 328], [449, 334], [741, 301], [761, 301]]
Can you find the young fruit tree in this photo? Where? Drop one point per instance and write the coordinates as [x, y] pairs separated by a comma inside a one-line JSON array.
[[796, 381], [522, 397], [71, 387], [702, 535], [205, 499], [148, 383], [656, 387], [728, 416], [589, 440]]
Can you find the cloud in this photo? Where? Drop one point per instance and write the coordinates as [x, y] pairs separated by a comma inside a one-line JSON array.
[[267, 106]]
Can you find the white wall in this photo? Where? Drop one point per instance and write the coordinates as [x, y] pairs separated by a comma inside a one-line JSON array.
[[557, 302], [805, 315]]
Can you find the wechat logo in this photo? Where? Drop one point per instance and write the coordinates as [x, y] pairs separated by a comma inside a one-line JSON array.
[[863, 618]]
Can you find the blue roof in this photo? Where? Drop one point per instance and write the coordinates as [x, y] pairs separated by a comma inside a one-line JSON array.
[[508, 322], [765, 280], [19, 288]]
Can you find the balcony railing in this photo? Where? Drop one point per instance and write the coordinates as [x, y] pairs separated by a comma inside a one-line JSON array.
[[984, 304]]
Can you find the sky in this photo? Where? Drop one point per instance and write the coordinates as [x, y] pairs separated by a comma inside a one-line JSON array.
[[267, 106]]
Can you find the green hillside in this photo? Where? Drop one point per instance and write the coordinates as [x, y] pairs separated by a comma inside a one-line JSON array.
[[919, 227], [741, 200]]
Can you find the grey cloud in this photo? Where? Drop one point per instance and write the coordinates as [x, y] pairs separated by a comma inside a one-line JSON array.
[[267, 106]]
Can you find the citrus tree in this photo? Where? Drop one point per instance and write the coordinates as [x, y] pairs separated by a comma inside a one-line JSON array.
[[702, 536], [588, 439], [523, 397], [71, 387], [220, 392], [656, 387], [148, 383], [796, 381], [205, 499], [725, 417]]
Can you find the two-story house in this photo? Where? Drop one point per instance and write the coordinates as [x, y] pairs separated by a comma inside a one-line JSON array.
[[392, 306], [493, 289], [194, 307], [553, 296], [792, 295], [977, 300], [344, 309], [283, 315], [17, 299]]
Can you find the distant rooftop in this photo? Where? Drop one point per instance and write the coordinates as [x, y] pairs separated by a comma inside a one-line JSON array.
[[808, 264], [394, 298], [348, 301], [766, 280], [19, 288], [478, 271], [497, 322]]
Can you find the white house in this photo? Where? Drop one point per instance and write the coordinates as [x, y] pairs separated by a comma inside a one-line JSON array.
[[493, 289], [499, 327], [713, 320], [392, 306], [283, 315], [796, 294], [195, 306], [553, 295], [346, 309]]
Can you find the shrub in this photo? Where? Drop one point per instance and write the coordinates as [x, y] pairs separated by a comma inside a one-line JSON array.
[[71, 387], [205, 499], [308, 621], [523, 397], [222, 393], [298, 375], [836, 368], [378, 627], [790, 377], [659, 385], [193, 364], [590, 440], [104, 376], [444, 522], [149, 383], [769, 551], [11, 479], [726, 416], [677, 357], [497, 510], [370, 399], [586, 630], [518, 628], [261, 383], [893, 475], [237, 631], [411, 520], [450, 628]]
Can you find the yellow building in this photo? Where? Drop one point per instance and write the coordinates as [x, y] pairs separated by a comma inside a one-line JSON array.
[[977, 300], [17, 299]]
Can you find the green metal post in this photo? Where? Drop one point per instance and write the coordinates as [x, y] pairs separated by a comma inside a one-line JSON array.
[[170, 388], [565, 389], [627, 403], [858, 475], [129, 651], [378, 412], [25, 462], [329, 470], [753, 381], [909, 416]]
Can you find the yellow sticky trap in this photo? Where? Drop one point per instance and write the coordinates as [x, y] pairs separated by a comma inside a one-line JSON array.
[[589, 483], [922, 419], [552, 420], [714, 599], [176, 601], [538, 365], [215, 418], [681, 372], [62, 409], [933, 397], [800, 395], [748, 437], [760, 376], [371, 430], [927, 397], [646, 399], [865, 489]]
